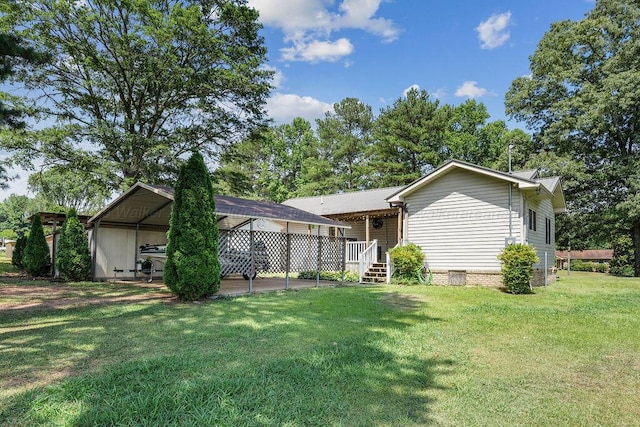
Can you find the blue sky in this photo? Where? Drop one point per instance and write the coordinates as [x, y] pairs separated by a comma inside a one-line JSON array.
[[323, 51]]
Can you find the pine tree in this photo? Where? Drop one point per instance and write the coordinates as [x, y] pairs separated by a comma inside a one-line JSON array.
[[73, 260], [192, 270], [36, 259]]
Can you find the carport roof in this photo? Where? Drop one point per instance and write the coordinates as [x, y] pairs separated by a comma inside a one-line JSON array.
[[150, 205]]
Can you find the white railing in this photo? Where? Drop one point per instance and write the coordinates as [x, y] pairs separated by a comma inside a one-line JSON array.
[[354, 249], [367, 258], [390, 267]]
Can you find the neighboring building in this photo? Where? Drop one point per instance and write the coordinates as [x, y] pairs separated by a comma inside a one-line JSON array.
[[589, 255], [461, 215]]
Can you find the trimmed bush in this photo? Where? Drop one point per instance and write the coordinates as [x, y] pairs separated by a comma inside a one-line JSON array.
[[73, 260], [192, 270], [517, 268], [36, 258], [332, 276], [408, 262], [17, 259], [623, 257]]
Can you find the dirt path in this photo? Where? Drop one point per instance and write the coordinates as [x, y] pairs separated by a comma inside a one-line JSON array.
[[61, 295]]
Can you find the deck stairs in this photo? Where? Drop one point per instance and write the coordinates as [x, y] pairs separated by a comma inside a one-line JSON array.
[[377, 273]]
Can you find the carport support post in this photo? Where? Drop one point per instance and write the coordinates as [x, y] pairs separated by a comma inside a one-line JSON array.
[[344, 255], [94, 237], [319, 259], [251, 246], [135, 254], [288, 260]]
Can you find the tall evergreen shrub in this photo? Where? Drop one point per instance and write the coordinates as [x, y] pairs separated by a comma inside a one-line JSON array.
[[36, 258], [623, 257], [517, 268], [73, 258], [192, 270], [18, 253]]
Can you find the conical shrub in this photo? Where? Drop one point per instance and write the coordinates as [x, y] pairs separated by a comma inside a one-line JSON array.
[[73, 260], [36, 258], [192, 270]]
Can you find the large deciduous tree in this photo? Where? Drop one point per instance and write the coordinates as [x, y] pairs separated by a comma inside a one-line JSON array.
[[192, 270], [583, 100], [135, 84], [60, 189]]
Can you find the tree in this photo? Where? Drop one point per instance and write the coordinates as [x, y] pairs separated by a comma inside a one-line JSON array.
[[271, 164], [582, 100], [137, 84], [410, 138], [17, 258], [12, 109], [346, 137], [36, 258], [73, 260], [63, 189], [192, 270], [15, 209]]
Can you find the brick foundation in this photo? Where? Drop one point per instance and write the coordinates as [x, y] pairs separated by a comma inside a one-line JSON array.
[[483, 278]]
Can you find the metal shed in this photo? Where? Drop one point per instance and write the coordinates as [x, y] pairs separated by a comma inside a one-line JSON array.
[[254, 236]]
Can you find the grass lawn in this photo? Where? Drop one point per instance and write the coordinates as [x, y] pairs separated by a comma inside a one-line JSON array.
[[345, 356]]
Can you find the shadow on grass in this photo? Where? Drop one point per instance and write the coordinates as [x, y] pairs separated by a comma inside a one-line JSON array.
[[304, 358]]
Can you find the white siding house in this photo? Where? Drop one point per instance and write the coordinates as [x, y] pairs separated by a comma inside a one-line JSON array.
[[463, 215]]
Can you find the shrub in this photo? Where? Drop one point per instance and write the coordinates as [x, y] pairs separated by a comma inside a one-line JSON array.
[[333, 276], [623, 257], [17, 259], [36, 258], [602, 267], [408, 261], [579, 265], [73, 260], [192, 270], [517, 267]]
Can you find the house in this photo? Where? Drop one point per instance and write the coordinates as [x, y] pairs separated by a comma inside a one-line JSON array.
[[461, 215], [589, 255]]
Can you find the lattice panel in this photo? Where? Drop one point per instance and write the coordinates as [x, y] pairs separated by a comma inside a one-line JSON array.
[[307, 252]]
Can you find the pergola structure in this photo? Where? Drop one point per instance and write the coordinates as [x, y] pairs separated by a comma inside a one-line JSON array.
[[254, 236]]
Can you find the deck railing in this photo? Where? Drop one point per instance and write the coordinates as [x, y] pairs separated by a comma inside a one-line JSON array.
[[354, 249], [367, 258]]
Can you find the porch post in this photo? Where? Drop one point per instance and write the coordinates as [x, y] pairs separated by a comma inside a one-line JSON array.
[[344, 255], [135, 254], [400, 215], [366, 226]]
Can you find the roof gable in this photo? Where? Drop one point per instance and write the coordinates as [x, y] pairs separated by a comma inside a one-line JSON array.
[[524, 180]]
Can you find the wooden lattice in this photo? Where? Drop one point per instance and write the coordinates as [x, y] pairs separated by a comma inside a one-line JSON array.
[[272, 252]]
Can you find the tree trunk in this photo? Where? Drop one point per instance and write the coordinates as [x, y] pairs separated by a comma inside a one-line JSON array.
[[636, 247]]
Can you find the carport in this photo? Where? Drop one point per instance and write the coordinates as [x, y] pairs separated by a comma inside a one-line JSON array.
[[254, 236]]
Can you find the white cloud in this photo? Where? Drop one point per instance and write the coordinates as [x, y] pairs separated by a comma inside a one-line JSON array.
[[317, 51], [406, 91], [440, 93], [308, 25], [278, 77], [470, 89], [284, 107], [493, 32]]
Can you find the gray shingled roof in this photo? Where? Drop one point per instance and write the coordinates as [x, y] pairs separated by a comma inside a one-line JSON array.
[[151, 205], [335, 204]]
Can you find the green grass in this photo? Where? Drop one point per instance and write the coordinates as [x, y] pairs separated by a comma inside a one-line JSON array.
[[5, 265], [346, 356]]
